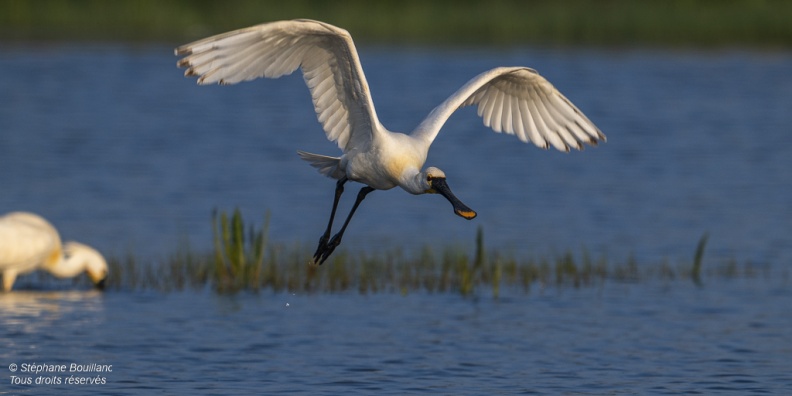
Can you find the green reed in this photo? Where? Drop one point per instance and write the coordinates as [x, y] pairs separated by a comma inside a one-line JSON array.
[[238, 255], [242, 259]]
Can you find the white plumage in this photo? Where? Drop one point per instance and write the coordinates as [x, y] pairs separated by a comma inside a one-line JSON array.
[[28, 242], [514, 100]]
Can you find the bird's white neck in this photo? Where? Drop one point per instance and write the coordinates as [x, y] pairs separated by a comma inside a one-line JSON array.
[[68, 267], [79, 258], [414, 182]]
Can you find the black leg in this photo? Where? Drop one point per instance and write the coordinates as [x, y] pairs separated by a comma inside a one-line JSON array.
[[327, 248], [326, 236]]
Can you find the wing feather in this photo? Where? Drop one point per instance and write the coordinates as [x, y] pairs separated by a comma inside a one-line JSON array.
[[567, 120], [508, 126], [326, 55], [563, 127], [542, 127], [518, 101], [497, 111], [550, 123], [482, 100], [489, 105], [533, 132], [519, 126]]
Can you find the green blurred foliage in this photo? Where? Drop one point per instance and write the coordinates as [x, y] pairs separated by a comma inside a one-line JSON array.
[[762, 23]]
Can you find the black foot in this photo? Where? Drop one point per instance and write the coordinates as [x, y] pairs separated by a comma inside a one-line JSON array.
[[325, 249]]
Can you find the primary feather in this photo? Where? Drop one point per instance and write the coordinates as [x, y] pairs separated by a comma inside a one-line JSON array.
[[325, 53]]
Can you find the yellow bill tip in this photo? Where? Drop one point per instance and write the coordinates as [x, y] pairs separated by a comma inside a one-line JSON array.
[[468, 214]]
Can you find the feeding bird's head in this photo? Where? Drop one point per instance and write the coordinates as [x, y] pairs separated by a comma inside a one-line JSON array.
[[93, 262], [435, 183]]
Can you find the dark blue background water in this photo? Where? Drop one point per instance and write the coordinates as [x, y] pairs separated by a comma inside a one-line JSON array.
[[729, 337], [122, 152]]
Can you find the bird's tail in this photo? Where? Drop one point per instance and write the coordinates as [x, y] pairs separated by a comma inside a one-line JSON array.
[[326, 165]]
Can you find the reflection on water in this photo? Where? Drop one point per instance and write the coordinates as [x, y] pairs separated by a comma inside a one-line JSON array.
[[31, 312]]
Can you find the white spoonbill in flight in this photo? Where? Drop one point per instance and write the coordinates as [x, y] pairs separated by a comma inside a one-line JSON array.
[[515, 100], [28, 243]]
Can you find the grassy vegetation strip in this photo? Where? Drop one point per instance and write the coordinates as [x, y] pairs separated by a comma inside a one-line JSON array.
[[450, 271], [243, 261], [763, 23]]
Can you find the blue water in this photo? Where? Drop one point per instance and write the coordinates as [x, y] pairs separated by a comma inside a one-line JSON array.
[[120, 151], [729, 337]]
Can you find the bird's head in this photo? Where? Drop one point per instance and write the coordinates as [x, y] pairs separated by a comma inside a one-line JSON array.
[[434, 182], [93, 261]]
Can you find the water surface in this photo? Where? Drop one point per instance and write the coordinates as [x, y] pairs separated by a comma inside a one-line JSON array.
[[730, 336]]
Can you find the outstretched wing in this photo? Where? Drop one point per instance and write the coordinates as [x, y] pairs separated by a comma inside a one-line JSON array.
[[325, 53], [518, 101]]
